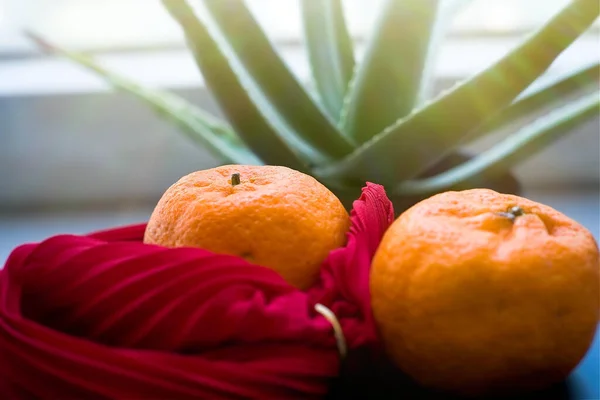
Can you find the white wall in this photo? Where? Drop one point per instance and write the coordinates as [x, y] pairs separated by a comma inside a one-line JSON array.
[[107, 148]]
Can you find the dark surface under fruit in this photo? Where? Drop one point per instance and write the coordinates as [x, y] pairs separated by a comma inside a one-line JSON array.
[[386, 382]]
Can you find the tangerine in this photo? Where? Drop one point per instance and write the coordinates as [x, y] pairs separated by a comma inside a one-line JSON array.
[[270, 215], [476, 292]]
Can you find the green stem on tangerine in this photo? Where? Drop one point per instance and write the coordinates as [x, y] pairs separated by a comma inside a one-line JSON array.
[[512, 213], [235, 179]]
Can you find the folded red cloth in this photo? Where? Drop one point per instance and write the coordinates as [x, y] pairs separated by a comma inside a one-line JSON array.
[[106, 316]]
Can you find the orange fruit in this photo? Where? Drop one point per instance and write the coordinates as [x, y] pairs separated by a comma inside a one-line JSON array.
[[270, 215], [476, 292]]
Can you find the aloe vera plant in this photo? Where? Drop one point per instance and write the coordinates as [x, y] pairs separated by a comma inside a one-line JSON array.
[[374, 119]]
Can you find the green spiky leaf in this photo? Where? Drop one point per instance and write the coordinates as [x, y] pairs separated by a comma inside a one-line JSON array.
[[448, 9], [387, 82], [416, 142], [200, 126], [262, 63], [330, 51], [258, 128], [543, 98], [506, 154]]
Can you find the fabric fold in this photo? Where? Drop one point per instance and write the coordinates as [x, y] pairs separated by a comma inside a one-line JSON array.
[[106, 316]]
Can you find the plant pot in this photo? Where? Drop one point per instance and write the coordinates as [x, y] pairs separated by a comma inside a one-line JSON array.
[[505, 183]]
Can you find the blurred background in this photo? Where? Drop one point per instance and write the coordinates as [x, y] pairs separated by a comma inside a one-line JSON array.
[[76, 156]]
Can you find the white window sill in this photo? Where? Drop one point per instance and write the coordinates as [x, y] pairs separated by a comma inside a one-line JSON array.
[[458, 59], [17, 229]]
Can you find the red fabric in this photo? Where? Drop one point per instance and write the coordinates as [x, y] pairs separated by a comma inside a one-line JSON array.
[[106, 316]]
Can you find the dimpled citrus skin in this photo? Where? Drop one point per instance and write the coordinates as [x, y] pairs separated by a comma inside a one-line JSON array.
[[276, 217], [467, 301]]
